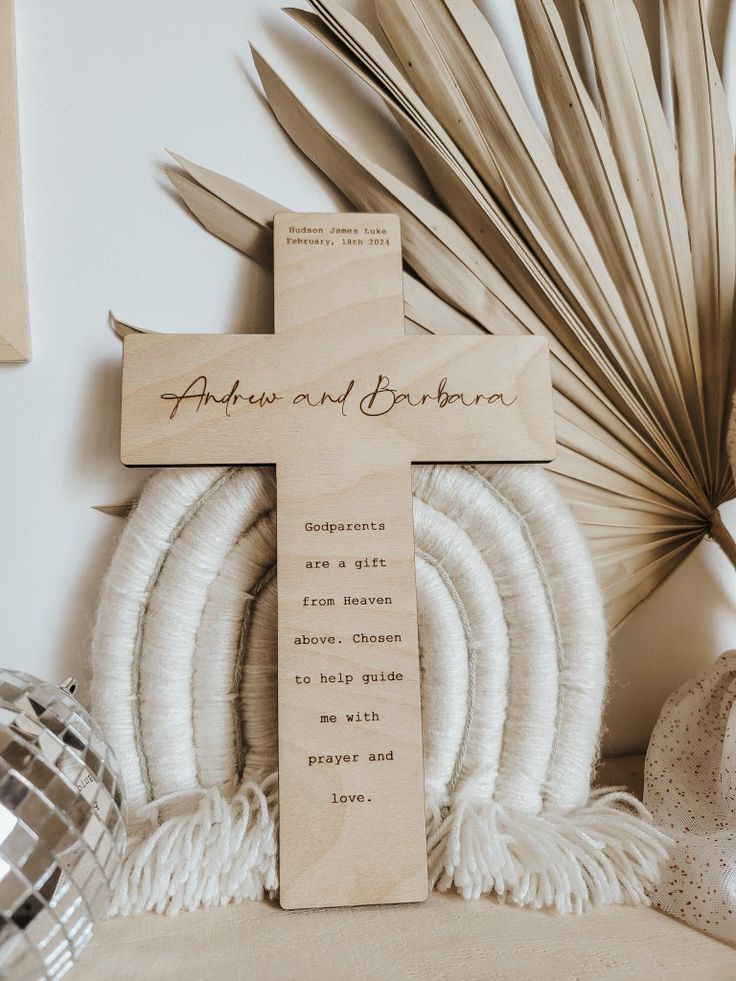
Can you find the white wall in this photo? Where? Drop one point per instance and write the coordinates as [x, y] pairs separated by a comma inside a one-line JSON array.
[[104, 87]]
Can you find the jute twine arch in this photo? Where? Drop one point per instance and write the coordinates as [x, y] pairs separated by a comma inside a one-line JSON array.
[[513, 647]]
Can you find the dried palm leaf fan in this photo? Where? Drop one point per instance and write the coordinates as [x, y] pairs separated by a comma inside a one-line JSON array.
[[617, 242]]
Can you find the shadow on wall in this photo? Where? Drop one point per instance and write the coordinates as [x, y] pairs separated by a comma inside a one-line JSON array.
[[251, 302], [676, 633], [96, 447]]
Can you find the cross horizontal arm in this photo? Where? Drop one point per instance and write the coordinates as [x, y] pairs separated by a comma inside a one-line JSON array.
[[223, 399]]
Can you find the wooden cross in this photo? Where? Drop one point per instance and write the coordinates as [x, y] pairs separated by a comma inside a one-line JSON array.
[[342, 402]]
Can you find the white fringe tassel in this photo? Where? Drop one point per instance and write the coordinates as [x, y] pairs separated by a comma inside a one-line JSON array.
[[607, 851], [223, 851], [604, 852]]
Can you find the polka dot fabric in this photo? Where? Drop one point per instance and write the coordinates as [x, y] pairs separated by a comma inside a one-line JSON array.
[[690, 779]]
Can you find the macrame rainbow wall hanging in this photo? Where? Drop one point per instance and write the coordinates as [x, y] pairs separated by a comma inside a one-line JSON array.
[[513, 648]]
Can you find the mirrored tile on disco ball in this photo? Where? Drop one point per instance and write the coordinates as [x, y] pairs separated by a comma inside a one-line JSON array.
[[14, 890], [61, 823], [17, 844]]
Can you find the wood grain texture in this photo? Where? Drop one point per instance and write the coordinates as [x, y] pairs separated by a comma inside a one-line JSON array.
[[371, 847], [192, 376], [14, 335], [342, 402]]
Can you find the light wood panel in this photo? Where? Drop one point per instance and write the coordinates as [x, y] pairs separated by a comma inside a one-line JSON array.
[[14, 335]]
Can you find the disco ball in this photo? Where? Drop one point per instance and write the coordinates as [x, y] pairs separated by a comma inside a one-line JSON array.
[[62, 830]]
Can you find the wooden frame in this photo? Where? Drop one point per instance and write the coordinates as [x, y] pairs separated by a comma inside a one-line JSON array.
[[15, 344]]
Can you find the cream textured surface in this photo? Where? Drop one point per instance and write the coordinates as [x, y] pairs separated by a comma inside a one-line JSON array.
[[442, 939], [445, 938]]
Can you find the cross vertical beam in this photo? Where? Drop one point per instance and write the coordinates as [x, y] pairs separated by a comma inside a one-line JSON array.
[[353, 831]]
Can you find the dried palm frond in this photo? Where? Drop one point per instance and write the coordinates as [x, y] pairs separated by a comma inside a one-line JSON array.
[[617, 242]]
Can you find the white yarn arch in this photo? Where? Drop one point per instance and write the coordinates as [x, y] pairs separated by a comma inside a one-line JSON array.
[[513, 650]]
